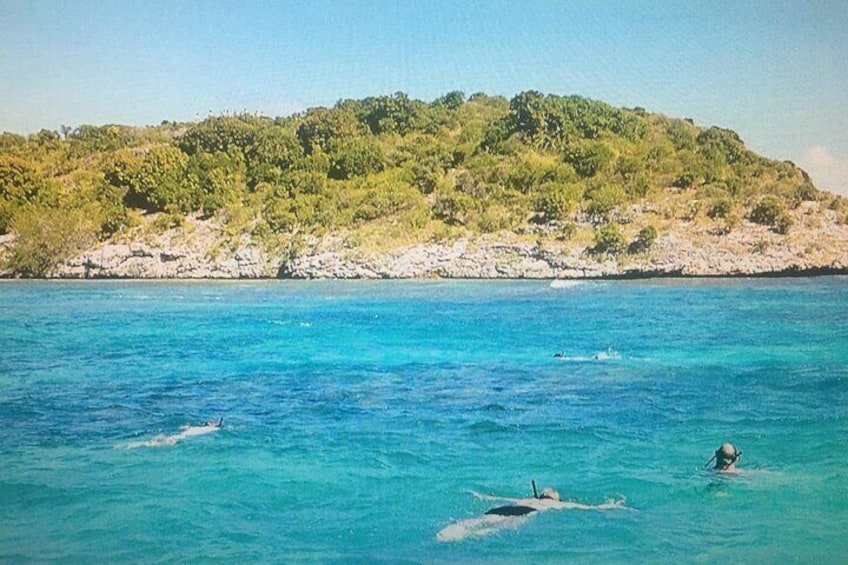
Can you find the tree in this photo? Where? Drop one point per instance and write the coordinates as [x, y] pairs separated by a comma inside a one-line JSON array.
[[527, 114], [770, 211], [155, 182], [87, 139], [321, 127], [356, 158], [452, 100], [721, 146], [219, 134], [45, 138], [609, 239], [48, 236], [20, 184], [391, 114], [272, 151], [212, 181]]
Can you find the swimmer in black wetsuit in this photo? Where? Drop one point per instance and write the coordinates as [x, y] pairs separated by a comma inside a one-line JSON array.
[[524, 506], [519, 511]]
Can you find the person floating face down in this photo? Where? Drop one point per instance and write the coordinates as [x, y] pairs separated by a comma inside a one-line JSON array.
[[524, 506], [725, 458], [517, 512]]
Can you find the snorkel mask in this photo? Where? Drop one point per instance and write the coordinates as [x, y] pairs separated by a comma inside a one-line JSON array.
[[725, 456]]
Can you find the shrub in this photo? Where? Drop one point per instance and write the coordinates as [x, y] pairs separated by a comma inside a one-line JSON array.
[[278, 215], [589, 159], [356, 158], [771, 211], [605, 199], [453, 208], [609, 239], [48, 236], [557, 201], [644, 240], [720, 208], [495, 218], [567, 231]]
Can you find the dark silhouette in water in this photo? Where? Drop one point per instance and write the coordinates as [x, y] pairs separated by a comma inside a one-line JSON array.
[[516, 510]]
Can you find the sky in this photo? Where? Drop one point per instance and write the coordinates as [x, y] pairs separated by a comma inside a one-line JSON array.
[[776, 72]]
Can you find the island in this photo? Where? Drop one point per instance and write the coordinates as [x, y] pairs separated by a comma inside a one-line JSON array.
[[538, 186]]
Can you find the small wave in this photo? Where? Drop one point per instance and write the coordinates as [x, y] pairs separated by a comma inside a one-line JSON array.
[[606, 355], [574, 358], [609, 354], [565, 283], [487, 426]]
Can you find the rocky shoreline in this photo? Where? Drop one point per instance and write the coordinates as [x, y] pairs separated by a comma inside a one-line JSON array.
[[819, 245]]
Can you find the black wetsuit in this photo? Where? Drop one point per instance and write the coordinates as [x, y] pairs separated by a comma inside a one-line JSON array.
[[515, 510]]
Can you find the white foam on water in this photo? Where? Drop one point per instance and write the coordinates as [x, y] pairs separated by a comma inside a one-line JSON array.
[[167, 440], [480, 527], [564, 283]]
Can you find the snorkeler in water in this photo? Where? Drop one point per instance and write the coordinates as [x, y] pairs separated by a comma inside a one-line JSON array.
[[185, 432], [515, 514], [522, 506], [725, 458]]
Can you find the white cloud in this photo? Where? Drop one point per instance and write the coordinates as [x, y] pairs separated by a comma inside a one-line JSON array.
[[828, 171]]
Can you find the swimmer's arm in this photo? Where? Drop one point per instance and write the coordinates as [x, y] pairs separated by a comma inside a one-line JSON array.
[[608, 505], [574, 506]]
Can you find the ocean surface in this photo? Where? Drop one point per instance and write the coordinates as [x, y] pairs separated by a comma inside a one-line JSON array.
[[359, 419]]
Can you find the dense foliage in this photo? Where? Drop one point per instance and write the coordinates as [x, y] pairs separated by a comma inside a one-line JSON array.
[[536, 164]]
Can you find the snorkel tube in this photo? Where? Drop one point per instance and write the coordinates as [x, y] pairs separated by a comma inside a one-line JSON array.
[[535, 494], [723, 459]]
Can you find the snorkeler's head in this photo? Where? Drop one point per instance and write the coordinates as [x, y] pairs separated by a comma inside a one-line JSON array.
[[549, 493], [726, 455]]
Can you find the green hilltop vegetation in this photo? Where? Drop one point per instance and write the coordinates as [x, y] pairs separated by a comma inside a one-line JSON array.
[[391, 170]]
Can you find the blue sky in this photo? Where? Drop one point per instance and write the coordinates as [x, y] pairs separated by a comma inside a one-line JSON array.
[[776, 72]]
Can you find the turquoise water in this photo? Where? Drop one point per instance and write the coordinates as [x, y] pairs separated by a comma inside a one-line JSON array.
[[359, 415]]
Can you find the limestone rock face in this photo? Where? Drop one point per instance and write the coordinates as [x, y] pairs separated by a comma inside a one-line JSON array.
[[195, 254], [200, 251]]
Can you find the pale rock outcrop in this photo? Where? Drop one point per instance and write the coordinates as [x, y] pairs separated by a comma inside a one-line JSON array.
[[818, 243]]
